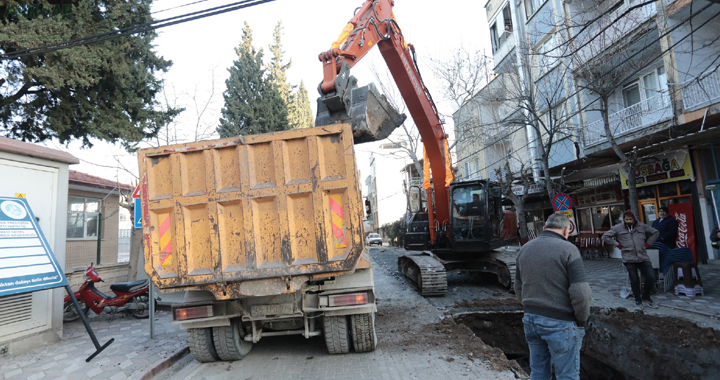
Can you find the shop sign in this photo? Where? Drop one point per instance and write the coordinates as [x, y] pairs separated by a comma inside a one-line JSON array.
[[533, 189], [598, 197], [667, 167]]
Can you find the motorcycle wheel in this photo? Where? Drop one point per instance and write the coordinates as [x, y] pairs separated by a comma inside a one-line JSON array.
[[143, 307], [70, 312]]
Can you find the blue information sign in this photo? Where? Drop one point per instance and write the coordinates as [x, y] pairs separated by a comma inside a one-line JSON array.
[[562, 202], [27, 263], [137, 217]]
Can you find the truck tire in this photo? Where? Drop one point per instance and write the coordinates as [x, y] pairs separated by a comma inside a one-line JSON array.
[[229, 342], [201, 345], [337, 335], [362, 327]]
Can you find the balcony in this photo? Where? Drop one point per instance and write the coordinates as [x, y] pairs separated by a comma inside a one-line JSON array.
[[701, 93], [611, 29], [506, 44], [634, 118]]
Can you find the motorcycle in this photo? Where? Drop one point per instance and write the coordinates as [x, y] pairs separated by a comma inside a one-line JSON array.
[[129, 296]]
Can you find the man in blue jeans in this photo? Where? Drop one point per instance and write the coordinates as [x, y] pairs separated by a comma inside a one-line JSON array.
[[551, 285]]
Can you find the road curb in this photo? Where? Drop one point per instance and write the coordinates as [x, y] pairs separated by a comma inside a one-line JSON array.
[[162, 364]]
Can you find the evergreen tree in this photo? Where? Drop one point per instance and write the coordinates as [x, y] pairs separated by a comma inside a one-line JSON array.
[[252, 103], [278, 70], [299, 112], [104, 90]]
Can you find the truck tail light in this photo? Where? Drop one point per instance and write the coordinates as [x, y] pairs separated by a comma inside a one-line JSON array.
[[348, 299], [193, 313]]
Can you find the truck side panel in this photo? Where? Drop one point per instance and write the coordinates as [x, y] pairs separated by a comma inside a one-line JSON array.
[[255, 207]]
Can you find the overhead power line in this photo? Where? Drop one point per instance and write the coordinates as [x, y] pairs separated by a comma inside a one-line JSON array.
[[139, 28]]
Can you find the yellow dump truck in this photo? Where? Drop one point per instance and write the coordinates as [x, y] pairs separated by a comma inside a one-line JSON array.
[[265, 235]]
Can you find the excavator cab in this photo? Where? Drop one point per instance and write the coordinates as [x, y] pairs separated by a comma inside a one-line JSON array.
[[370, 114], [477, 215]]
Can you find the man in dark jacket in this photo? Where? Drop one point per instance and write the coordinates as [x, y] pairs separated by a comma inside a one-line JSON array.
[[550, 283], [667, 226], [632, 237]]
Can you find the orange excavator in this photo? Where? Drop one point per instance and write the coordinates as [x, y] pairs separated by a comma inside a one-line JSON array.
[[464, 221]]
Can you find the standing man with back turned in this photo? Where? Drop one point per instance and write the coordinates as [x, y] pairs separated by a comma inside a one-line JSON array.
[[551, 285]]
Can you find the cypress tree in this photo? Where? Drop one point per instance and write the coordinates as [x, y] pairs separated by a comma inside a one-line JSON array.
[[252, 103], [299, 111]]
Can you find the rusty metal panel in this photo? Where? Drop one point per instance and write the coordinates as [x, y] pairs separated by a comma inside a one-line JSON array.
[[256, 207]]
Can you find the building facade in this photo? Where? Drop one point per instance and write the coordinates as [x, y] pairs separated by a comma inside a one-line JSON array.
[[617, 75]]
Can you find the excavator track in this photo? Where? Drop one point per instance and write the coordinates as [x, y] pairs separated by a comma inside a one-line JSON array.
[[506, 263], [426, 273]]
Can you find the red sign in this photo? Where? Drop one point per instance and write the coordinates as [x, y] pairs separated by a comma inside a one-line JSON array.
[[562, 202], [136, 193], [683, 213]]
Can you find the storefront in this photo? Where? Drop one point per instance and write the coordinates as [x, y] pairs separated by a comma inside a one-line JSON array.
[[599, 209]]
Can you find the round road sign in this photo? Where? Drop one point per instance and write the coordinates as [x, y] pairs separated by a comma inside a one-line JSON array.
[[562, 202]]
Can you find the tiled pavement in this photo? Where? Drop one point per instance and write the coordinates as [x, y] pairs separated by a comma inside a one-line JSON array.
[[608, 276], [132, 352]]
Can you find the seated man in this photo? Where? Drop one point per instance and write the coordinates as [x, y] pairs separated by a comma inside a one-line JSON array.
[[474, 208]]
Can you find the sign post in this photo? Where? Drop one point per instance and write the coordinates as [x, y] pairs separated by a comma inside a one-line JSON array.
[[562, 203], [27, 264]]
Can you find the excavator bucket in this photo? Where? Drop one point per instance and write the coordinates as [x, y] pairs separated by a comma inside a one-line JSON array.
[[368, 112]]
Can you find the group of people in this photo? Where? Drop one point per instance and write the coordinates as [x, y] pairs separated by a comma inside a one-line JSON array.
[[551, 284]]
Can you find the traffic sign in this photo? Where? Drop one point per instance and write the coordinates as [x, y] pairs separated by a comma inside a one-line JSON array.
[[562, 202], [137, 212], [27, 263], [572, 227]]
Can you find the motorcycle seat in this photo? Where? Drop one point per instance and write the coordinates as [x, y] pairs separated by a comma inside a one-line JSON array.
[[128, 286]]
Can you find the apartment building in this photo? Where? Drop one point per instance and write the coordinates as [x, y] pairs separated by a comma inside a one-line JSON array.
[[642, 74]]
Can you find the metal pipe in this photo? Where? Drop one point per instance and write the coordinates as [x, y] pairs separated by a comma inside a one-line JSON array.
[[280, 333], [99, 236], [152, 309]]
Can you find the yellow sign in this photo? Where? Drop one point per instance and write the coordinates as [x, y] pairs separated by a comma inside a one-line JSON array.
[[20, 195], [568, 213], [667, 167]]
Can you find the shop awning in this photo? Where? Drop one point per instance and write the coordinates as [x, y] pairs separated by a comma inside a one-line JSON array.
[[598, 173]]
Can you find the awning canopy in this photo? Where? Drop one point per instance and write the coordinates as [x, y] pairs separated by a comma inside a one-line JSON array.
[[594, 173]]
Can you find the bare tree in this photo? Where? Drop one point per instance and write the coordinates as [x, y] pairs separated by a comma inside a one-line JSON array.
[[506, 180]]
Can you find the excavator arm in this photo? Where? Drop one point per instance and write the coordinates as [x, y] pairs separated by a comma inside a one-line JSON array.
[[369, 113]]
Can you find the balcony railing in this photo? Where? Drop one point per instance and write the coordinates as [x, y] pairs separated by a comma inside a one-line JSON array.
[[611, 29], [636, 117], [703, 92], [506, 43]]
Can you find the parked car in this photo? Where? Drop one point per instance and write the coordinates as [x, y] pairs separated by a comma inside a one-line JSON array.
[[374, 239]]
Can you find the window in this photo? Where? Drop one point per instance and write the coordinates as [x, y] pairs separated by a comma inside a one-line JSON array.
[[494, 37], [548, 55], [631, 94], [83, 214], [507, 18], [647, 88]]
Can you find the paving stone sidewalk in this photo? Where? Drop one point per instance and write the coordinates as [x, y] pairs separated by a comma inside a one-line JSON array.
[[608, 276], [132, 352]]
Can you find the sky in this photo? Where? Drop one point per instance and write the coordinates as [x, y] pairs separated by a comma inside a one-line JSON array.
[[203, 50]]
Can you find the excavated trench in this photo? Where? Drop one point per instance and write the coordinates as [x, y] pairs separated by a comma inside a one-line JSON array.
[[618, 345]]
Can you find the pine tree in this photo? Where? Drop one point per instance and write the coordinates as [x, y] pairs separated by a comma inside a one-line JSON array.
[[278, 70], [299, 111], [252, 103], [105, 90]]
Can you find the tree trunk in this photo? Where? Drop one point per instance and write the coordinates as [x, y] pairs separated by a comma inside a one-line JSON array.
[[522, 221], [632, 188]]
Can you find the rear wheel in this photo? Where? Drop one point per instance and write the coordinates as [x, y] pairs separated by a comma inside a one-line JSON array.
[[201, 345], [229, 342], [362, 327], [70, 312], [142, 309], [337, 334]]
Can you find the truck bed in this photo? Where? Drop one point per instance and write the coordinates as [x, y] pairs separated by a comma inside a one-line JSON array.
[[222, 214]]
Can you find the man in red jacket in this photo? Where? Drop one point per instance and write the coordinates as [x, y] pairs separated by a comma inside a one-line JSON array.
[[632, 237]]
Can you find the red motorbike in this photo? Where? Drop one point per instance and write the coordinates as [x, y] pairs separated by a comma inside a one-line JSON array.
[[129, 296]]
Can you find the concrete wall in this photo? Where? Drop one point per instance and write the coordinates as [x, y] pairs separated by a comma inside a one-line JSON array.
[[111, 273]]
